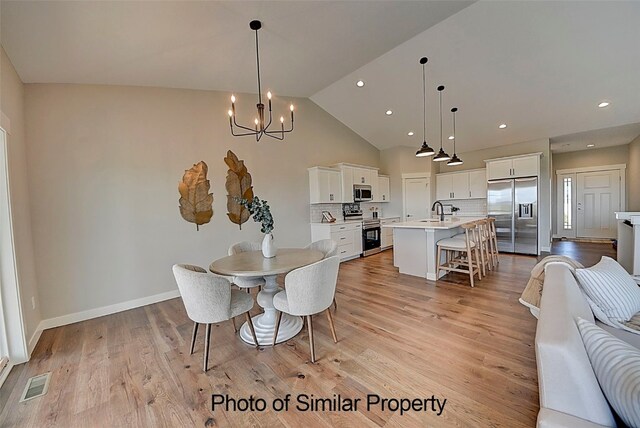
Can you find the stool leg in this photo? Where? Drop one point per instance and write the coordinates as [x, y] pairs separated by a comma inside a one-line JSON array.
[[438, 263], [470, 260]]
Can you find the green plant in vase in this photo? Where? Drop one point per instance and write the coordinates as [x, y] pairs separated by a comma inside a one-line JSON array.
[[261, 212]]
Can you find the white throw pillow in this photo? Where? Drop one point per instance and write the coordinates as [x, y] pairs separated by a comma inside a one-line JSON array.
[[611, 289], [617, 368]]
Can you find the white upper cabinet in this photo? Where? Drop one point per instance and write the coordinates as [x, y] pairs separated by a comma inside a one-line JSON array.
[[518, 166], [324, 186], [478, 184], [362, 176], [527, 166], [444, 186], [346, 174], [461, 185], [382, 194]]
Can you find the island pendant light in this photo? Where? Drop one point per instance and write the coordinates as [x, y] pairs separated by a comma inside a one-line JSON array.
[[455, 160], [424, 150], [442, 155], [261, 128]]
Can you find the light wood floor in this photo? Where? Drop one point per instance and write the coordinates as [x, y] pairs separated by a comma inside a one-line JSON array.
[[399, 336]]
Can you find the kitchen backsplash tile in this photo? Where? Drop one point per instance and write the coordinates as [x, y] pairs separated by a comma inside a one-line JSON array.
[[336, 210], [468, 207]]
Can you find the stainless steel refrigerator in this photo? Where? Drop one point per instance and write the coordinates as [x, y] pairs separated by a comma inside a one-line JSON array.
[[514, 205]]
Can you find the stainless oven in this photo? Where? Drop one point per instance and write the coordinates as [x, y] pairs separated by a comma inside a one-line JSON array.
[[370, 237], [362, 193]]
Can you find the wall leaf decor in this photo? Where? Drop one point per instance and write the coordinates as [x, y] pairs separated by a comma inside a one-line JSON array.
[[238, 186], [196, 203]]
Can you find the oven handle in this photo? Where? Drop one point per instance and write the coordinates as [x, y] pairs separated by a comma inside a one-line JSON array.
[[370, 227]]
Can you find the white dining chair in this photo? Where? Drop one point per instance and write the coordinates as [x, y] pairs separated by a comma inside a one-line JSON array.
[[329, 248], [309, 290], [243, 282], [209, 299]]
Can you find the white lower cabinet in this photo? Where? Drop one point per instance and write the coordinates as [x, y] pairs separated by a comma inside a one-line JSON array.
[[386, 234], [348, 236]]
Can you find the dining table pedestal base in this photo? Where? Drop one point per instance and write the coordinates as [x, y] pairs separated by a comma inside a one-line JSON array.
[[265, 323]]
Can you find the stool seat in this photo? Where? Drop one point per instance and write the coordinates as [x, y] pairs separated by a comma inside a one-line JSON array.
[[455, 243]]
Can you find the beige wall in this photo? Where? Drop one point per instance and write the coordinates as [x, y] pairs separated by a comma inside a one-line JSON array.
[[395, 162], [614, 155], [475, 159], [633, 176], [105, 162], [12, 106]]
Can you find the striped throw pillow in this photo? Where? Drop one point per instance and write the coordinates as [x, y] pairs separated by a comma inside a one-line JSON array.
[[617, 368], [611, 288]]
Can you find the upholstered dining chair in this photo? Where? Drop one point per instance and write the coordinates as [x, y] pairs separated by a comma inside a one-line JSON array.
[[329, 248], [209, 299], [309, 290], [246, 283]]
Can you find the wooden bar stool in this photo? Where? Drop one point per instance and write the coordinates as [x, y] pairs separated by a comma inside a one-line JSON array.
[[485, 252], [494, 241], [461, 252]]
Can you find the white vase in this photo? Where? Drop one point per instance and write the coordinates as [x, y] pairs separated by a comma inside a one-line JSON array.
[[268, 247]]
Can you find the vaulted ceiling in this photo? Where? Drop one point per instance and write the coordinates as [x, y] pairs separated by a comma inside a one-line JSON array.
[[539, 67]]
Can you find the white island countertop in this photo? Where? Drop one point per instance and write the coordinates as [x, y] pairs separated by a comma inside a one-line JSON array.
[[448, 223]]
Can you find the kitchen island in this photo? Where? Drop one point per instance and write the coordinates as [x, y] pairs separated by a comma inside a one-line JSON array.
[[415, 243]]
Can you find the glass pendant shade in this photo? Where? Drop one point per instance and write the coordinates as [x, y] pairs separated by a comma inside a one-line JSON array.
[[441, 156], [425, 150], [455, 160]]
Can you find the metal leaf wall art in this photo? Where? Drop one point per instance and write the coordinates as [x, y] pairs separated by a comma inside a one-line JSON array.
[[195, 200], [238, 186]]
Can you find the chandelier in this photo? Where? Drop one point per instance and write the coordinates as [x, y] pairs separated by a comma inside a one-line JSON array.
[[261, 127]]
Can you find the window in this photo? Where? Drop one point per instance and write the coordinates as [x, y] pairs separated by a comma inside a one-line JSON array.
[[567, 220]]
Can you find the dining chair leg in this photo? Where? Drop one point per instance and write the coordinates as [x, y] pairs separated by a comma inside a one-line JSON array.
[[235, 328], [333, 327], [253, 331], [311, 345], [207, 341], [193, 338], [275, 333], [335, 304]]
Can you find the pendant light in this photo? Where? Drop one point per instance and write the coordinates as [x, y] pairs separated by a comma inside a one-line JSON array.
[[442, 155], [455, 160], [424, 150], [261, 128]]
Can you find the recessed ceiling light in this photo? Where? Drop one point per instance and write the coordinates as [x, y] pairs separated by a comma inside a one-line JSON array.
[[502, 126], [451, 137], [590, 145], [604, 104], [410, 133], [388, 112], [360, 83]]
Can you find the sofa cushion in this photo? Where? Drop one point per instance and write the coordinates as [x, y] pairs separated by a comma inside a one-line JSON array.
[[567, 381], [611, 289], [617, 367]]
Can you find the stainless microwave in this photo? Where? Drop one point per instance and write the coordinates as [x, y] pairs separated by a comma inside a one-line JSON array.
[[362, 193]]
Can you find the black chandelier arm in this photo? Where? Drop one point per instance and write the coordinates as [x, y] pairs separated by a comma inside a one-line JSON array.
[[243, 134], [273, 135], [242, 127]]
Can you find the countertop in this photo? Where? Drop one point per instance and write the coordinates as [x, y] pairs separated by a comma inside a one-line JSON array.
[[450, 223], [341, 221], [633, 217]]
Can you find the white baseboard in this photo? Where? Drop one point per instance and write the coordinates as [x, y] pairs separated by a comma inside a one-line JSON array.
[[4, 374], [545, 249], [98, 312], [34, 339]]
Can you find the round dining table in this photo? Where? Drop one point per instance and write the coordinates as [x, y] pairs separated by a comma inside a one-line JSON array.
[[252, 264]]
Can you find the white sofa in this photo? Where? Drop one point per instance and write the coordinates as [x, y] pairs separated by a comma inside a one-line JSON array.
[[569, 392]]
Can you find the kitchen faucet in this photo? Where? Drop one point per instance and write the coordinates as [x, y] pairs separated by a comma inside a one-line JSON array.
[[435, 208]]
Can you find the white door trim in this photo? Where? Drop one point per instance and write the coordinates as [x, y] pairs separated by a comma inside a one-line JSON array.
[[409, 175], [13, 331]]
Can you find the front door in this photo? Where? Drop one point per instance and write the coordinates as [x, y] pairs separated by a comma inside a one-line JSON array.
[[416, 198], [598, 198]]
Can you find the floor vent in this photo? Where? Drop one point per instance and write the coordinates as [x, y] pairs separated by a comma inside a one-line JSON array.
[[36, 387]]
